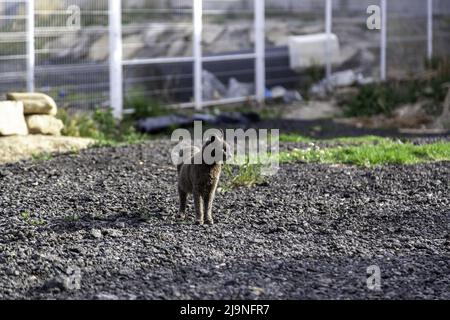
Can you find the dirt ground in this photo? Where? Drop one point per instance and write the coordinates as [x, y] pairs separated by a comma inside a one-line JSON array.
[[16, 148]]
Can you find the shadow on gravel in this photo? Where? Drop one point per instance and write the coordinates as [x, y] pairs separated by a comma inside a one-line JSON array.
[[115, 221]]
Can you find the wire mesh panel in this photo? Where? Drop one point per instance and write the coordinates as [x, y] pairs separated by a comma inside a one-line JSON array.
[[359, 42], [72, 47], [407, 37], [228, 26], [283, 20], [441, 28], [228, 31], [154, 31], [71, 42], [13, 49]]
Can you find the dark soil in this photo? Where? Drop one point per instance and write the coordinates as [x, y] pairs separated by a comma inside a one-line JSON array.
[[311, 232]]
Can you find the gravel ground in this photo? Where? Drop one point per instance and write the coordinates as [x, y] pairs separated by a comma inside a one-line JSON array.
[[105, 216]]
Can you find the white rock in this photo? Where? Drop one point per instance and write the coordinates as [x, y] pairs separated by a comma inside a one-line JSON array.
[[277, 34], [309, 50], [131, 45], [44, 124], [177, 48], [314, 110], [278, 92], [12, 120], [96, 233], [99, 50], [34, 103], [213, 88], [115, 233], [343, 78], [238, 89]]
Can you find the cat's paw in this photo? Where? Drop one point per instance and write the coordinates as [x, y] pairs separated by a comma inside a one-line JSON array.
[[199, 222]]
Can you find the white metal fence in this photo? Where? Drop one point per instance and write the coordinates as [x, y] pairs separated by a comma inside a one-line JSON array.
[[88, 53], [197, 59]]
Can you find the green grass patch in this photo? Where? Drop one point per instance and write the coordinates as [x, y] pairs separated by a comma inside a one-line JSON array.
[[368, 155], [142, 106], [372, 151], [245, 175], [72, 218], [292, 137], [26, 217], [43, 156], [100, 126]]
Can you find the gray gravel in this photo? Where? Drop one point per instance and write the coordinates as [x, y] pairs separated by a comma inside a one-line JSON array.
[[104, 217]]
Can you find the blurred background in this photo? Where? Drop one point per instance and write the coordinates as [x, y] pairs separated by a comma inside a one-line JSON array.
[[72, 65]]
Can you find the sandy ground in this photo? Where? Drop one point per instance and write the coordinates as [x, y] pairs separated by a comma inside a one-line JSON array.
[[15, 148]]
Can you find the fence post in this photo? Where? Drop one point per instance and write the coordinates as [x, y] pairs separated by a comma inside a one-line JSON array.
[[383, 40], [30, 45], [115, 57], [430, 29], [328, 24], [260, 60], [197, 16]]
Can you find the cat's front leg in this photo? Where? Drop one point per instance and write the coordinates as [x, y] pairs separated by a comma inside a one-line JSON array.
[[182, 209], [208, 207], [199, 208]]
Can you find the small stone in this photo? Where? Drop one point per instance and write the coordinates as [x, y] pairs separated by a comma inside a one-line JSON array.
[[11, 272], [258, 240], [64, 282], [96, 233], [257, 290], [12, 120], [106, 296], [114, 233]]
